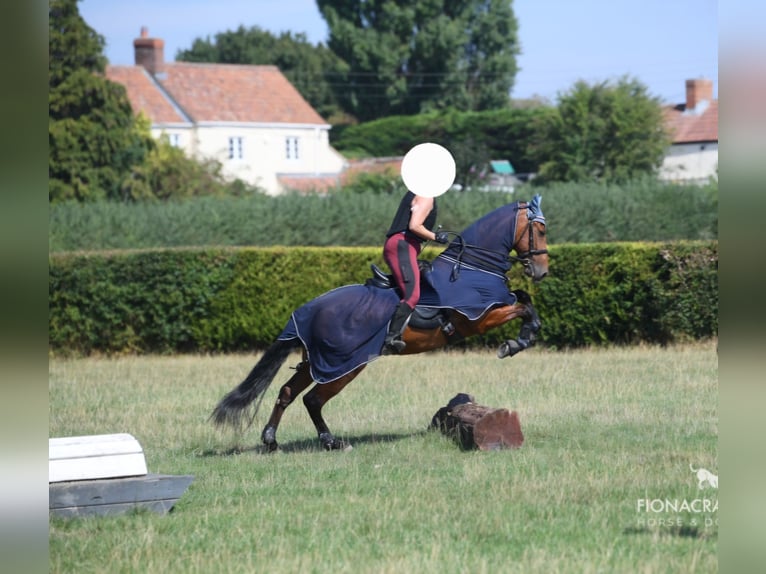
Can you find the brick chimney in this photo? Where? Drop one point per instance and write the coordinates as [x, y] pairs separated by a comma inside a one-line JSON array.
[[149, 52], [697, 91]]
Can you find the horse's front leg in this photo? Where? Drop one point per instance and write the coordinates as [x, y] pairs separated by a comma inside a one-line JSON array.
[[317, 398], [528, 332], [287, 394]]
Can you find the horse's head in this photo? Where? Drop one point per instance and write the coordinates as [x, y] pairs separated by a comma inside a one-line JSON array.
[[530, 243]]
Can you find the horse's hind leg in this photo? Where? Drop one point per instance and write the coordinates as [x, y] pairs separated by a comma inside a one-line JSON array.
[[287, 394], [317, 397]]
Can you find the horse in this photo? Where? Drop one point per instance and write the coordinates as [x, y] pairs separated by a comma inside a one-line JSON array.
[[464, 292]]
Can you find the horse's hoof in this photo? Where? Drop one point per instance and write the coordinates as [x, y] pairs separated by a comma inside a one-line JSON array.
[[269, 439], [329, 442], [339, 445], [508, 349]]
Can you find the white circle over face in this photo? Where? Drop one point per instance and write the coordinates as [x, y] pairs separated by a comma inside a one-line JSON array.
[[428, 170]]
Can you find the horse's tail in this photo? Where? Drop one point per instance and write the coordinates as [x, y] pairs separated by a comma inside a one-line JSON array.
[[233, 407]]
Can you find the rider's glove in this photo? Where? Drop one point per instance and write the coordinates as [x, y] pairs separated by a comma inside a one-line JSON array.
[[442, 237]]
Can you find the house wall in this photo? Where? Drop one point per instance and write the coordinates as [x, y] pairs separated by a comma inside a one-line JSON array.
[[690, 162], [265, 152]]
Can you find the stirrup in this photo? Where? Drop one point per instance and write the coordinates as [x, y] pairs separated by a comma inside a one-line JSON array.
[[394, 346], [398, 345]]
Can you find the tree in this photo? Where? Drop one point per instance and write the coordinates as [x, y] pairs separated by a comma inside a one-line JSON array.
[[72, 44], [304, 64], [404, 57], [603, 133], [92, 134]]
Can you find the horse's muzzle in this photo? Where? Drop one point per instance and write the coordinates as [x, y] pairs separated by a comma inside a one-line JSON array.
[[535, 272]]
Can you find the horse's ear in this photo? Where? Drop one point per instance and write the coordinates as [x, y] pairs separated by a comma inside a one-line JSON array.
[[535, 211]]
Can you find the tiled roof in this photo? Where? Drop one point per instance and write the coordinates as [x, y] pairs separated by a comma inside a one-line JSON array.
[[377, 165], [689, 126], [307, 183], [216, 93], [318, 183], [144, 95]]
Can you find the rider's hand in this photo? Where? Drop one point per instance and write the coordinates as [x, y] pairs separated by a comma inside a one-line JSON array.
[[441, 237]]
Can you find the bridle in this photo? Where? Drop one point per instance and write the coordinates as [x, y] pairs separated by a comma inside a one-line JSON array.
[[524, 258]]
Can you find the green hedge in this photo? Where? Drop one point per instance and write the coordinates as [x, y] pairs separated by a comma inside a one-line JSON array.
[[232, 299], [630, 293], [642, 210]]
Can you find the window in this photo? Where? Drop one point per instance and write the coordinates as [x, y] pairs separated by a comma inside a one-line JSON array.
[[174, 139], [236, 148], [291, 147]]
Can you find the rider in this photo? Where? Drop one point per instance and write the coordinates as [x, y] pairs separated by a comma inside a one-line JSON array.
[[412, 226]]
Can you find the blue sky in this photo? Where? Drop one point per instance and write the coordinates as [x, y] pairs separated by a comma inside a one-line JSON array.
[[662, 43]]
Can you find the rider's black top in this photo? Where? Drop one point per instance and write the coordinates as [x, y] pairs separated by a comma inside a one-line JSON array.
[[401, 220]]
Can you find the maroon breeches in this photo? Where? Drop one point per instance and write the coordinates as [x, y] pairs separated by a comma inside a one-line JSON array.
[[401, 253]]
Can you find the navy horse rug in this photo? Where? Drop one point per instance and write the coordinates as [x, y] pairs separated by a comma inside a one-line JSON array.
[[346, 327]]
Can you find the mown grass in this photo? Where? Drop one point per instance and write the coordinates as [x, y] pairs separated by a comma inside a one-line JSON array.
[[603, 429]]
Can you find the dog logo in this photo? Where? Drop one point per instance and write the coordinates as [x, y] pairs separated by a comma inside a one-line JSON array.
[[705, 478]]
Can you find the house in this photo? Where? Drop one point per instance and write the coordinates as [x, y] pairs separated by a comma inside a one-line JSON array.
[[693, 125], [250, 118]]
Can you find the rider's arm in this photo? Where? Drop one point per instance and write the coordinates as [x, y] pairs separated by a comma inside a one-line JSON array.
[[419, 210]]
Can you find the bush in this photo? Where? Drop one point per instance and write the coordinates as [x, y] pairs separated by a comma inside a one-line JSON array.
[[360, 214], [211, 300], [630, 293]]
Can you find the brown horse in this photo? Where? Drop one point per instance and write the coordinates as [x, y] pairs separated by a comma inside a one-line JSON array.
[[474, 264]]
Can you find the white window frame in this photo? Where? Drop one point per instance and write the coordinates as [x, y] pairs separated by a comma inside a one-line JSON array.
[[236, 148], [174, 140], [292, 148]]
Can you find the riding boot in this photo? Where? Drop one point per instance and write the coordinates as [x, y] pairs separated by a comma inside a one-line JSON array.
[[394, 342]]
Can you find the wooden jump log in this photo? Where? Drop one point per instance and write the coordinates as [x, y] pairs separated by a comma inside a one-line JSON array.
[[106, 474], [476, 426]]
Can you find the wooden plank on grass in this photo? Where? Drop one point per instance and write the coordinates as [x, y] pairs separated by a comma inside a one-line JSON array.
[[154, 492]]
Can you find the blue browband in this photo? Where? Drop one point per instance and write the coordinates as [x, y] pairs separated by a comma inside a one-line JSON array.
[[535, 212]]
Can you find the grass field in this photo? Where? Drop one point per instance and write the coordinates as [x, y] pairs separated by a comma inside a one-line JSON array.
[[610, 435]]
